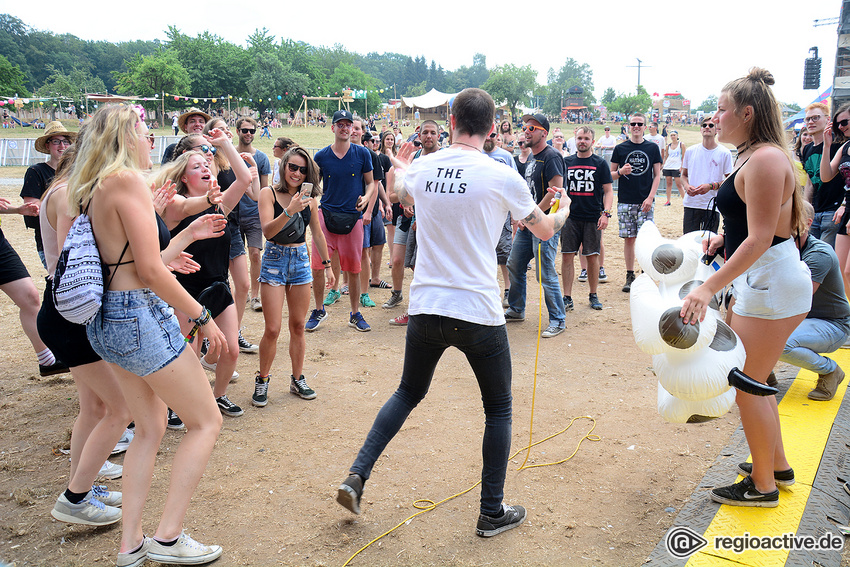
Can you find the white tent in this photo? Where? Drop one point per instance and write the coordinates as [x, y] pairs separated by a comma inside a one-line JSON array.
[[431, 99]]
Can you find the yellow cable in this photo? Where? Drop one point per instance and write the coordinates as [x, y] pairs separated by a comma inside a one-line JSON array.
[[426, 505]]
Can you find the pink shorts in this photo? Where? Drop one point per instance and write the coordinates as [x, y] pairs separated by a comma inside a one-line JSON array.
[[348, 246]]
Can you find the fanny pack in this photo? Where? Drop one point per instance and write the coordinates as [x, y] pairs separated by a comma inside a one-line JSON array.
[[292, 231], [340, 223]]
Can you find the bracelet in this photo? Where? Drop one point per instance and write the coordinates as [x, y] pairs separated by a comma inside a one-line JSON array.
[[287, 213], [204, 318], [208, 200], [326, 263], [606, 214]]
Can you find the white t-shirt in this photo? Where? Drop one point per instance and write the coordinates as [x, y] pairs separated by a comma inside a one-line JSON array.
[[705, 166], [570, 148], [462, 198], [658, 140], [608, 141]]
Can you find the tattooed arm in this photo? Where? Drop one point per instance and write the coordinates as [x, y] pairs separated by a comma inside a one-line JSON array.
[[545, 226]]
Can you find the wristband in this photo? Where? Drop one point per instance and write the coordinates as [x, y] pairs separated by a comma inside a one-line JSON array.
[[326, 263], [287, 213], [606, 214], [208, 200], [204, 318]]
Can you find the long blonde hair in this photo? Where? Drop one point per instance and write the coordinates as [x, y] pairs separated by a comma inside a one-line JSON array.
[[108, 148], [754, 90]]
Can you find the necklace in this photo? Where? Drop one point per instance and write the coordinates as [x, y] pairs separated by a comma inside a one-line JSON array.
[[745, 146], [467, 145]]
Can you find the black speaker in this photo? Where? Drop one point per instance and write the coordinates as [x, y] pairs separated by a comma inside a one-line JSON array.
[[811, 73]]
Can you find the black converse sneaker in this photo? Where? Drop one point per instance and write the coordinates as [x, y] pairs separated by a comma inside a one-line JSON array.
[[300, 388], [745, 493], [261, 390], [228, 408], [511, 517]]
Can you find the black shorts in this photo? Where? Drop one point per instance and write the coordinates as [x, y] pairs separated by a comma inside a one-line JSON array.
[[12, 268], [842, 227], [671, 173], [68, 341], [579, 233]]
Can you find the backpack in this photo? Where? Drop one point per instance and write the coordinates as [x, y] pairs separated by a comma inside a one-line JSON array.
[[80, 273]]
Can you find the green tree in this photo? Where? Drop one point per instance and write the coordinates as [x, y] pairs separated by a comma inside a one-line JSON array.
[[151, 75], [638, 102], [609, 97], [571, 74], [271, 78], [709, 104], [347, 76], [216, 67], [71, 86], [12, 79], [510, 84]]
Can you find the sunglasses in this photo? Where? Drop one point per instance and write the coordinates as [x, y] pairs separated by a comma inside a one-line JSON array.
[[636, 124], [205, 149], [248, 130], [493, 135], [843, 123], [707, 125], [293, 168], [532, 128], [814, 118]]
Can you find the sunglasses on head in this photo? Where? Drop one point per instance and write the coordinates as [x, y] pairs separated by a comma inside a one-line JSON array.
[[293, 168], [248, 130], [843, 123], [205, 149], [532, 128], [636, 124]]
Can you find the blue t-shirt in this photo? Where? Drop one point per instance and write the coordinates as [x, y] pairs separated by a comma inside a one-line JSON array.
[[342, 179], [502, 156], [247, 205]]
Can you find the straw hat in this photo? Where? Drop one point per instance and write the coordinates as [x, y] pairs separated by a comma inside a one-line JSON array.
[[54, 128], [181, 121]]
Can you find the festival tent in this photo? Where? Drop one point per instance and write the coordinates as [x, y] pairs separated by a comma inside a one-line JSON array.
[[431, 99], [795, 122]]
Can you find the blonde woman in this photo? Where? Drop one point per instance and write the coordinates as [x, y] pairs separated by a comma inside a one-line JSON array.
[[285, 273], [761, 204], [138, 334], [672, 168]]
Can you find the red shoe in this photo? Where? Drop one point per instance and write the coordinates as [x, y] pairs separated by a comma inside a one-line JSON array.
[[400, 321]]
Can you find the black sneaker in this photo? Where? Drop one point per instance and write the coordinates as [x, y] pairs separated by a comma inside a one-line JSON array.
[[630, 278], [782, 478], [205, 346], [595, 303], [744, 493], [261, 391], [227, 407], [349, 493], [511, 517], [52, 369], [300, 388], [174, 421], [245, 346], [568, 303], [513, 317]]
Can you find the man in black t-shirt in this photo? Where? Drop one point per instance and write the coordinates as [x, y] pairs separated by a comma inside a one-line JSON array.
[[637, 164], [587, 181], [37, 179], [544, 169], [825, 197]]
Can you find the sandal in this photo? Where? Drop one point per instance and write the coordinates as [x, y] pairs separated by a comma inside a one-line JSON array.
[[381, 285]]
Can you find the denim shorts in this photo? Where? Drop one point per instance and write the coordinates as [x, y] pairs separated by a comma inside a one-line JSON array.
[[237, 246], [777, 285], [136, 330], [285, 265]]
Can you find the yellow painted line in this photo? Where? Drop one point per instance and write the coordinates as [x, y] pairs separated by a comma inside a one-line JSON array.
[[806, 425]]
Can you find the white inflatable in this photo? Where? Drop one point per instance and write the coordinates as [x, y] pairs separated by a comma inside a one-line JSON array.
[[692, 362]]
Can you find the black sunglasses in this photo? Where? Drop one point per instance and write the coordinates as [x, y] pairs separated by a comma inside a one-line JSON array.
[[636, 124], [293, 168], [248, 130], [707, 125], [843, 123], [493, 135]]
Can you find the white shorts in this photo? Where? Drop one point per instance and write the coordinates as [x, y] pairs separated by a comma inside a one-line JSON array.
[[777, 286]]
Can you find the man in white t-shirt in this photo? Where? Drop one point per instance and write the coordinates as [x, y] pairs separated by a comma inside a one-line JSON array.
[[607, 143], [655, 137], [704, 168], [461, 198]]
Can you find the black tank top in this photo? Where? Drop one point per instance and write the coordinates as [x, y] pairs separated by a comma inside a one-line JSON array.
[[734, 212], [213, 254], [305, 213]]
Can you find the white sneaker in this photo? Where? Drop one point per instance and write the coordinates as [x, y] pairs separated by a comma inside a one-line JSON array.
[[110, 471], [90, 512], [256, 304], [108, 497], [124, 442], [136, 557], [186, 551], [211, 366]]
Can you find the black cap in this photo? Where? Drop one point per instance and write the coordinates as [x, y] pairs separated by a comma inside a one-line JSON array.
[[367, 135], [542, 120], [342, 115]]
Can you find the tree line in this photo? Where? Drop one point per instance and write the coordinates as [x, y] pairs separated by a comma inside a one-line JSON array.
[[268, 74]]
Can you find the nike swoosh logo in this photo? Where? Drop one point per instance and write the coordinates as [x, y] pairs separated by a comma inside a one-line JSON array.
[[751, 496]]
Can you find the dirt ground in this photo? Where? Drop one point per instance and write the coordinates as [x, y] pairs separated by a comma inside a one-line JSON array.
[[268, 493]]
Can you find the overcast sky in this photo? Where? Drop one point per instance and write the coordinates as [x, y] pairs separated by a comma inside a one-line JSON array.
[[688, 47]]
